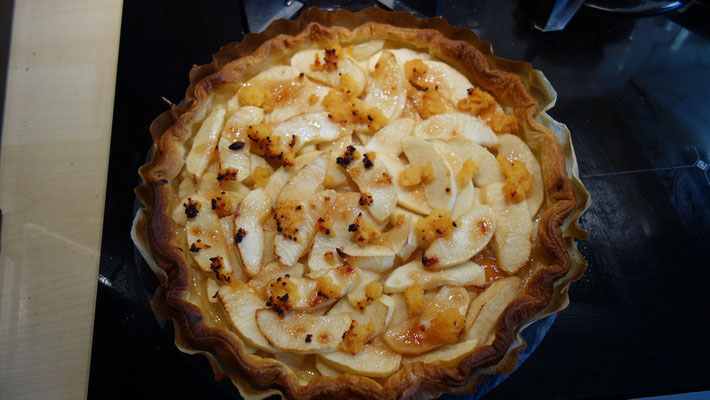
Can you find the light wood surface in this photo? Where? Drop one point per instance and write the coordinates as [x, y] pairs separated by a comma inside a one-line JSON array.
[[53, 164]]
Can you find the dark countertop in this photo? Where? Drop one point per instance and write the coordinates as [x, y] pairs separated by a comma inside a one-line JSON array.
[[635, 93]]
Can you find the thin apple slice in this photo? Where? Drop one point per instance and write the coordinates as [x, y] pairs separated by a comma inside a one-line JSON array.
[[376, 360], [227, 225], [419, 335], [205, 238], [389, 138], [204, 143], [453, 85], [277, 181], [473, 232], [448, 355], [358, 293], [363, 51], [513, 148], [273, 271], [456, 124], [465, 200], [303, 129], [372, 257], [512, 240], [410, 198], [326, 370], [488, 306], [386, 89], [374, 179], [441, 191], [300, 187], [401, 55], [343, 208], [234, 144], [303, 333], [340, 280], [248, 230], [375, 313], [345, 65], [241, 303], [489, 170], [468, 273], [397, 237]]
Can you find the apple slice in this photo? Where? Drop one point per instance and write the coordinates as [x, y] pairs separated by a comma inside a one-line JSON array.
[[205, 238], [419, 335], [389, 138], [241, 303], [447, 356], [234, 144], [273, 271], [248, 229], [365, 50], [300, 187], [303, 129], [375, 313], [489, 169], [358, 292], [398, 237], [386, 89], [401, 55], [343, 208], [345, 65], [512, 240], [468, 273], [453, 85], [373, 178], [326, 370], [227, 225], [204, 143], [303, 333], [414, 198], [376, 360], [513, 148], [441, 191], [465, 199], [277, 181], [474, 231], [372, 257], [488, 306], [456, 124]]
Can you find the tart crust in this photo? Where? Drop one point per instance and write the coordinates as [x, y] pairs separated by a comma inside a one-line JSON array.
[[235, 63]]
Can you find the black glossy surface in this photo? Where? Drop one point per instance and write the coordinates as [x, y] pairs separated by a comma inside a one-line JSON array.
[[636, 95]]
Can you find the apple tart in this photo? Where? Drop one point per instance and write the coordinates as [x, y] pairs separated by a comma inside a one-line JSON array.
[[370, 212]]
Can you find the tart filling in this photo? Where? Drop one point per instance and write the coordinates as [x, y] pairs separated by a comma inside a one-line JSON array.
[[353, 207]]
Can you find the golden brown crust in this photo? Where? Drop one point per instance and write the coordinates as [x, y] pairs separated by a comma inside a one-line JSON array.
[[234, 63]]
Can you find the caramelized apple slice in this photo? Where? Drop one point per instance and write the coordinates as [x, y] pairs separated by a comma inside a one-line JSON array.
[[300, 187], [513, 148], [453, 86], [333, 232], [455, 124], [374, 180], [488, 306], [512, 240], [468, 273], [473, 232], [441, 191], [204, 143], [248, 229], [359, 292], [410, 198], [303, 129], [273, 271], [241, 303], [386, 89], [205, 238], [389, 138], [375, 313], [303, 333], [376, 360]]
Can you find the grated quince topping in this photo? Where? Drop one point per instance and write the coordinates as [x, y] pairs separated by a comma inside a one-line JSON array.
[[289, 215], [330, 59], [518, 180], [414, 296], [281, 294], [221, 203], [364, 231], [468, 170], [436, 225], [345, 109], [446, 326], [413, 175], [481, 104], [259, 178], [269, 146], [373, 291], [355, 337]]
